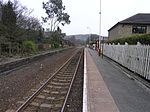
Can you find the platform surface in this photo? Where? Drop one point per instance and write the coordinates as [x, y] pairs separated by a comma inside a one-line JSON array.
[[99, 98], [128, 94]]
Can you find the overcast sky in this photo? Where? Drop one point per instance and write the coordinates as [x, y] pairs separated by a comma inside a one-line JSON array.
[[84, 14]]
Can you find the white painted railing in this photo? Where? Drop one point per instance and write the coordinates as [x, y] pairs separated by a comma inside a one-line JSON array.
[[134, 57]]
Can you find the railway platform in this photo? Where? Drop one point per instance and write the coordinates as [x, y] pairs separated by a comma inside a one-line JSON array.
[[109, 82], [96, 96]]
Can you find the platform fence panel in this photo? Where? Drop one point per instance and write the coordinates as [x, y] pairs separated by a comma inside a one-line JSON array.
[[134, 57]]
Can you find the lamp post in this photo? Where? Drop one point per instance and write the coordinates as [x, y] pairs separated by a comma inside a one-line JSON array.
[[100, 29]]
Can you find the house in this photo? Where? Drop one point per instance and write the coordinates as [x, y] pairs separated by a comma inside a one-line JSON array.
[[137, 24]]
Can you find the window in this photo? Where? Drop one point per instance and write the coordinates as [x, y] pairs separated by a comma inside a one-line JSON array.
[[139, 29]]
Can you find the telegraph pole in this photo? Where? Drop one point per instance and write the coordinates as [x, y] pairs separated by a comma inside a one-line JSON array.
[[100, 29]]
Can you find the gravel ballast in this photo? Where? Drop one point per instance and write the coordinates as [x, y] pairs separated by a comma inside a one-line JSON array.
[[17, 85]]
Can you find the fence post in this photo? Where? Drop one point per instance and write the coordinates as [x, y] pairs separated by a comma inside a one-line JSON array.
[[138, 43], [126, 43]]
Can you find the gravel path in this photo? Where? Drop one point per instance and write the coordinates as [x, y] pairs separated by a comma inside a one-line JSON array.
[[17, 85]]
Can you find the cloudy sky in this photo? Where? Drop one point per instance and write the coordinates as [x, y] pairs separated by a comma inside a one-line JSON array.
[[85, 13]]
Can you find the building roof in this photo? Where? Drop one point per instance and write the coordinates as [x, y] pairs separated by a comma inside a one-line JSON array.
[[140, 18]]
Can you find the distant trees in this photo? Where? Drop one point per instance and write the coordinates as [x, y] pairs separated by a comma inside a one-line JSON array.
[[92, 39], [76, 41]]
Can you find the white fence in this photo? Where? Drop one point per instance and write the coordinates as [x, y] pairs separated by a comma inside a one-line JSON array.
[[134, 57]]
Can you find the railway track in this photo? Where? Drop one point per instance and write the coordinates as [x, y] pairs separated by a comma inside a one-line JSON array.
[[53, 94]]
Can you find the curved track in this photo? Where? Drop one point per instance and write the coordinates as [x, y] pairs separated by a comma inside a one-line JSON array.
[[53, 94]]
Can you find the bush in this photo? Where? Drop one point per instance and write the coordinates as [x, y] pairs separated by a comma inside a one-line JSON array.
[[29, 47], [132, 40]]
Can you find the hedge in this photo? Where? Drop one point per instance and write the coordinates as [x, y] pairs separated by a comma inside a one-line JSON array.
[[132, 40]]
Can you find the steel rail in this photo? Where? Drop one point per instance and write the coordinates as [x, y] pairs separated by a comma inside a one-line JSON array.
[[63, 107], [25, 104]]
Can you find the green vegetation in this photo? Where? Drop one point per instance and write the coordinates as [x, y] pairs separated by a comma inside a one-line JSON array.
[[28, 47], [16, 26], [55, 40], [132, 40], [20, 33]]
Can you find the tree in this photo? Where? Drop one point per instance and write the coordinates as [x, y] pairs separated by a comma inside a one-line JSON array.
[[55, 14], [27, 27], [41, 35], [16, 25], [8, 22]]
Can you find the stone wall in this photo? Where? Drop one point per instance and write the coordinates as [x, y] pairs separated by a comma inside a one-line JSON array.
[[121, 31]]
